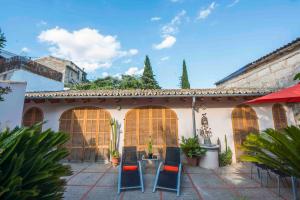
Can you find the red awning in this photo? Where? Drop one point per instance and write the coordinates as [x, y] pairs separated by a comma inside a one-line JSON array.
[[287, 95]]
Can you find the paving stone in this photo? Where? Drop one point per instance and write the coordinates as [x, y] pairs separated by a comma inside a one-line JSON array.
[[217, 194], [239, 180], [186, 194], [197, 170], [138, 195], [258, 194], [103, 193], [207, 180], [75, 192], [109, 179], [85, 179], [97, 168]]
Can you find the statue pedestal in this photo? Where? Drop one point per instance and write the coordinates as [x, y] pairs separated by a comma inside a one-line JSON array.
[[211, 158]]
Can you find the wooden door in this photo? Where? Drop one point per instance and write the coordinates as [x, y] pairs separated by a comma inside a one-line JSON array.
[[151, 122], [244, 121], [32, 116], [279, 117], [89, 129]]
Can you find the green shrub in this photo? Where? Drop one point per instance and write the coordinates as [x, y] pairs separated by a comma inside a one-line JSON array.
[[29, 164], [278, 149], [225, 158], [191, 147]]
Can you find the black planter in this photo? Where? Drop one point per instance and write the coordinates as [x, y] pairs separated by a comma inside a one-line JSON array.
[[150, 155]]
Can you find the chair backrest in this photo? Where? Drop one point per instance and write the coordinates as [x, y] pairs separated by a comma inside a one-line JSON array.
[[172, 156], [129, 156]]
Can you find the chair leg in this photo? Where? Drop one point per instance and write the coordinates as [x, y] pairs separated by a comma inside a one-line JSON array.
[[278, 185], [178, 180], [294, 186], [141, 176], [156, 178], [119, 179]]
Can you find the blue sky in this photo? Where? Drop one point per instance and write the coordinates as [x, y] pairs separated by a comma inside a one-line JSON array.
[[112, 37]]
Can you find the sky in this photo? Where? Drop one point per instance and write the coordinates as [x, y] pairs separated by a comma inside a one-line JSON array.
[[112, 37]]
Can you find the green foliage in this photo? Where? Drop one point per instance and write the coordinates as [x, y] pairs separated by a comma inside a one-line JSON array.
[[297, 77], [4, 90], [184, 79], [278, 149], [109, 83], [29, 164], [150, 148], [148, 80], [2, 40], [113, 143], [191, 147], [225, 158]]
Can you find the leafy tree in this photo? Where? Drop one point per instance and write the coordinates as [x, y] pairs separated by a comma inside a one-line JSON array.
[[278, 149], [30, 167], [2, 39], [4, 90], [130, 82], [148, 80], [184, 79]]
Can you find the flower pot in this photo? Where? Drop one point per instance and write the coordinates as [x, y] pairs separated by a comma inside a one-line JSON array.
[[150, 155], [193, 161], [115, 161]]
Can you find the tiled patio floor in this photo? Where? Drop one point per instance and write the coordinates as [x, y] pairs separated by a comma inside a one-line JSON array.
[[99, 181]]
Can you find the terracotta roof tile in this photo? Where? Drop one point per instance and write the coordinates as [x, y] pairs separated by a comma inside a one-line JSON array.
[[149, 93]]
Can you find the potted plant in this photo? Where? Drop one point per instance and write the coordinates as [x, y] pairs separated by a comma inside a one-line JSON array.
[[192, 149], [150, 152], [115, 158]]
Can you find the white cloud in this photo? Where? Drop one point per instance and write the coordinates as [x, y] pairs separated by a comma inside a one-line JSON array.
[[105, 74], [204, 13], [167, 42], [164, 58], [172, 27], [134, 71], [155, 19], [42, 23], [233, 3], [118, 76], [25, 50], [127, 61], [86, 47]]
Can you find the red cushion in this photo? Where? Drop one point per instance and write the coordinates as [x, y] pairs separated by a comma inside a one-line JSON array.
[[170, 168], [130, 168]]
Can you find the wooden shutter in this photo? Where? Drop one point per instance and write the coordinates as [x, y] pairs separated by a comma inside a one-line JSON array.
[[279, 117], [244, 121], [32, 116], [159, 123], [89, 130]]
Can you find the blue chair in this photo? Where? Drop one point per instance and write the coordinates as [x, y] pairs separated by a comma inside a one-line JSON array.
[[168, 174], [130, 171]]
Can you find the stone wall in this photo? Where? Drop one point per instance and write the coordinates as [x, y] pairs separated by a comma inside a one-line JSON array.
[[278, 73]]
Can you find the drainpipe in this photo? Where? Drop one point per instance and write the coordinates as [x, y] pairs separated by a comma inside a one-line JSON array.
[[193, 115]]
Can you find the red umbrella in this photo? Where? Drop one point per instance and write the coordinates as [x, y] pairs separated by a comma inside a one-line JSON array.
[[286, 95]]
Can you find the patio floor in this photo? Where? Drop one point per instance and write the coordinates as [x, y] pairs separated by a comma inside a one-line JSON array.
[[99, 181]]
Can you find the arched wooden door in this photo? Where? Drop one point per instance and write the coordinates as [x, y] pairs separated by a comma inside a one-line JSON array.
[[151, 122], [279, 117], [32, 116], [244, 121], [89, 129]]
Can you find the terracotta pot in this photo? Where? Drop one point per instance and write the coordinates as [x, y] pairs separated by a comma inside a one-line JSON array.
[[115, 161], [194, 161]]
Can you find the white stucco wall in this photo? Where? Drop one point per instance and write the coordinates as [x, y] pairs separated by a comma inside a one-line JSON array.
[[36, 82], [11, 108], [218, 113]]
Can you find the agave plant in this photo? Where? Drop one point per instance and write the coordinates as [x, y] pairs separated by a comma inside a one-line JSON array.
[[29, 164], [276, 149]]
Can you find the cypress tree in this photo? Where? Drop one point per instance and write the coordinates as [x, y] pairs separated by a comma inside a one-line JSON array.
[[148, 80], [2, 39], [184, 79]]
